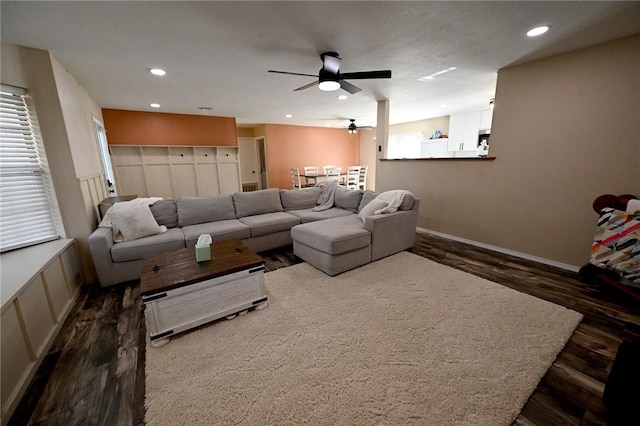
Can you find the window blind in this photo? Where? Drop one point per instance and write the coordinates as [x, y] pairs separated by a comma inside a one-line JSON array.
[[28, 213]]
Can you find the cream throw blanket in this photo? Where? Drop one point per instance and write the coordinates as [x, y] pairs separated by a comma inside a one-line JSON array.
[[131, 220], [393, 199]]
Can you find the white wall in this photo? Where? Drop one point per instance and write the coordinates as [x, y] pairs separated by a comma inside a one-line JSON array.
[[565, 130]]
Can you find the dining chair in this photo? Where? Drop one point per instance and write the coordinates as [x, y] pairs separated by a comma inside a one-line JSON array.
[[295, 178], [352, 179], [327, 168], [332, 174], [310, 175], [362, 182]]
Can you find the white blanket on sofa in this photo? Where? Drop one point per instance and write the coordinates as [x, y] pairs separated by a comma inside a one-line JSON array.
[[393, 199], [130, 220]]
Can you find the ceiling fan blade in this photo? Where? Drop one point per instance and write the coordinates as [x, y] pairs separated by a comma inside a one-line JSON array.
[[293, 73], [306, 86], [366, 75], [331, 62], [345, 85]]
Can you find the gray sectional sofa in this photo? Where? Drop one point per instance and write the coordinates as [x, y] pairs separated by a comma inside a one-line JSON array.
[[334, 240]]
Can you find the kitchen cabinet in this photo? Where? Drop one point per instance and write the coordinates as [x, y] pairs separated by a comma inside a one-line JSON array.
[[486, 116], [434, 148], [173, 171], [465, 128], [456, 132]]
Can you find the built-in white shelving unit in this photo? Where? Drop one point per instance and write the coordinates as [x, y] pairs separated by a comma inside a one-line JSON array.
[[173, 171]]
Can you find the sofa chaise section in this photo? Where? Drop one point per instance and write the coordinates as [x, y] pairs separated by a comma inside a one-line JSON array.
[[340, 244]]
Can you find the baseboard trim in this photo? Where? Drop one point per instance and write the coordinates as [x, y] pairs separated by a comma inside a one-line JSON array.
[[542, 260]]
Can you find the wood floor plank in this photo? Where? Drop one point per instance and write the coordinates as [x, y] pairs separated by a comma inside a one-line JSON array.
[[94, 371]]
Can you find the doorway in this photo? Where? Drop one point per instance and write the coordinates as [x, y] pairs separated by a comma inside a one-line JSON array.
[[253, 164], [262, 156]]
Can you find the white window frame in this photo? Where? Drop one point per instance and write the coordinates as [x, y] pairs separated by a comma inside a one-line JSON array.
[[105, 157], [29, 212]]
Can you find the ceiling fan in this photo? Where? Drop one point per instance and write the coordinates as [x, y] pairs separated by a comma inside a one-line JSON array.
[[352, 128], [330, 78]]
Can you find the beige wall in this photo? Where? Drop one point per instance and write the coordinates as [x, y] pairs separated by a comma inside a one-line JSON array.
[[64, 113], [368, 157], [565, 129], [427, 127], [78, 110]]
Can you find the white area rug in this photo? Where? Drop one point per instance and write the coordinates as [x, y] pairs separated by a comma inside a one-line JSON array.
[[402, 340]]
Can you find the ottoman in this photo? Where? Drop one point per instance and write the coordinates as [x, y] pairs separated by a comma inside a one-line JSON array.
[[333, 245]]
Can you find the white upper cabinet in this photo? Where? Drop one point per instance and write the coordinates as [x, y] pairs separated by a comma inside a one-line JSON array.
[[456, 132], [485, 119], [464, 129]]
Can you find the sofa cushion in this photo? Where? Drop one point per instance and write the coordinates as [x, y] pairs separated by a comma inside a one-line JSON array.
[[333, 236], [165, 212], [194, 210], [269, 223], [347, 199], [219, 230], [257, 202], [125, 251], [407, 202], [296, 199], [308, 215], [367, 196]]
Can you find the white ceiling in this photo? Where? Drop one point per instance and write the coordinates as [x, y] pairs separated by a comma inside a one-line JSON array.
[[217, 54]]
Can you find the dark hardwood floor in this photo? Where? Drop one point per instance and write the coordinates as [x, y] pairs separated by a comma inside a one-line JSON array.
[[94, 371]]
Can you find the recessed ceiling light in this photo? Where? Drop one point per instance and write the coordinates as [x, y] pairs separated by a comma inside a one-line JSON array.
[[533, 32], [288, 115], [157, 71], [342, 97], [154, 105], [443, 105]]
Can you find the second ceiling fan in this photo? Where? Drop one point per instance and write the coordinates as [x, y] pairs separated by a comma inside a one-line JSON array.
[[330, 78]]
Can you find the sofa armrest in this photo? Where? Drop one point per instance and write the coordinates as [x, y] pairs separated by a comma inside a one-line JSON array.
[[392, 233], [100, 243]]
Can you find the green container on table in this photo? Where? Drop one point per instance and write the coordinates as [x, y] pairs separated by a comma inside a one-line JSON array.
[[203, 253]]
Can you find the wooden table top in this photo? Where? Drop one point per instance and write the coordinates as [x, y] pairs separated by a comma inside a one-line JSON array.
[[166, 271]]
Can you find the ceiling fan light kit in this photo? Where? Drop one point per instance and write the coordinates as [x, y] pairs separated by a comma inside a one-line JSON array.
[[328, 85]]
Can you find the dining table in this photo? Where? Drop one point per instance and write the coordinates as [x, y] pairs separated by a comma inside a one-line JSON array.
[[321, 177]]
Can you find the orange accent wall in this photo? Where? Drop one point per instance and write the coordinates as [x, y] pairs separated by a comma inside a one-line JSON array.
[[157, 128], [245, 132], [299, 146]]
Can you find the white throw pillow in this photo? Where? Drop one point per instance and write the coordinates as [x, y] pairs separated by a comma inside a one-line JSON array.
[[371, 207], [136, 222]]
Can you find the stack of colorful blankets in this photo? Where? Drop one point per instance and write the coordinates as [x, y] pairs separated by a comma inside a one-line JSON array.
[[616, 244]]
